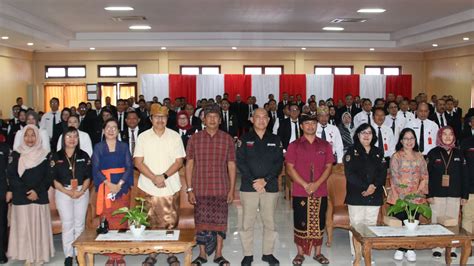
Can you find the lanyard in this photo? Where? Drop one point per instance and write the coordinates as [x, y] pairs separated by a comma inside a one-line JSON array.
[[446, 165], [72, 165]]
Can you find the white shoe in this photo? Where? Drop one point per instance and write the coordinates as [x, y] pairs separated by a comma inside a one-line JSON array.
[[398, 255], [410, 255]]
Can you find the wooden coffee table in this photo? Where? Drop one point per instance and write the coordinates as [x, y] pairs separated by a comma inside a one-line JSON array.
[[86, 244], [364, 239]]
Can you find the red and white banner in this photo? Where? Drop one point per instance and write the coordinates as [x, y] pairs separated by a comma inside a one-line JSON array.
[[195, 87]]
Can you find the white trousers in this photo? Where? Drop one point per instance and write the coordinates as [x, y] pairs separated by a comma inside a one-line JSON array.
[[445, 206], [362, 215], [73, 217]]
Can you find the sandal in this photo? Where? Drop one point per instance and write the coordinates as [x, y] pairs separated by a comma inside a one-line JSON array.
[[298, 260], [221, 261], [199, 261], [110, 262], [172, 261], [149, 261], [321, 259], [120, 262]]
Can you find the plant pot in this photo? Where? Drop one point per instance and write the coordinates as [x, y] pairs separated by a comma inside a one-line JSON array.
[[137, 232], [411, 226]]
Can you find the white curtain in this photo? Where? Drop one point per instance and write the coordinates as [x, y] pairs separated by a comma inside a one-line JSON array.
[[209, 86], [262, 85], [322, 86], [155, 85], [372, 86]]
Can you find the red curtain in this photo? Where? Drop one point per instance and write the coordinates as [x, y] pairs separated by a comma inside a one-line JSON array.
[[293, 85], [344, 84], [399, 85], [183, 86], [238, 84]]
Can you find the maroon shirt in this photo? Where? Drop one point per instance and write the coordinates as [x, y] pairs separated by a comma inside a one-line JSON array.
[[210, 156], [302, 154]]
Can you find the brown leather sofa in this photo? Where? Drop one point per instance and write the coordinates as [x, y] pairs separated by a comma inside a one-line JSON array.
[[55, 219], [186, 212]]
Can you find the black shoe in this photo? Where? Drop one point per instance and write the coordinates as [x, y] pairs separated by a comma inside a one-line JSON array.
[[68, 261], [437, 254], [271, 260], [454, 255], [247, 261], [3, 260]]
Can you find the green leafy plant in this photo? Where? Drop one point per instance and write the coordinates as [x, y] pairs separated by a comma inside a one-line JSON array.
[[136, 216], [411, 209]]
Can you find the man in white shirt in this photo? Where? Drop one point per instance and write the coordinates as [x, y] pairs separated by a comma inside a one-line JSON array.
[[425, 129], [405, 113], [386, 139], [132, 130], [395, 122], [19, 101], [365, 116], [438, 116], [289, 129], [85, 142], [52, 117], [329, 133]]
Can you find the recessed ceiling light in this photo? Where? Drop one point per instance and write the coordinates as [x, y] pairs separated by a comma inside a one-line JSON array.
[[5, 37], [234, 48], [434, 45], [163, 48], [30, 44], [303, 48], [333, 28], [372, 49], [371, 10], [118, 8], [140, 27], [92, 48], [465, 39]]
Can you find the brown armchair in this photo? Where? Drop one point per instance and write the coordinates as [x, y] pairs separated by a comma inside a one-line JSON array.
[[55, 219], [337, 215]]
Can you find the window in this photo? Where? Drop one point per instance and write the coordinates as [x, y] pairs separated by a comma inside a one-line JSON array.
[[383, 70], [336, 70], [69, 94], [263, 70], [65, 72], [117, 90], [200, 70], [117, 71]]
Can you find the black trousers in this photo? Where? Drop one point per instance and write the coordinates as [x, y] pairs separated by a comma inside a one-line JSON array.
[[3, 227]]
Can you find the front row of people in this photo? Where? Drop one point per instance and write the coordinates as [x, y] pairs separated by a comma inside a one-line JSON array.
[[211, 162]]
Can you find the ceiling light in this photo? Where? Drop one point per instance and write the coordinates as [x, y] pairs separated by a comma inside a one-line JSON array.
[[118, 8], [434, 45], [140, 27], [303, 48], [371, 10], [92, 48], [30, 44], [465, 39], [234, 48], [372, 49], [5, 37], [333, 28], [163, 48]]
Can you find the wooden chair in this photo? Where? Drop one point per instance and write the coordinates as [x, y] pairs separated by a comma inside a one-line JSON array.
[[55, 219]]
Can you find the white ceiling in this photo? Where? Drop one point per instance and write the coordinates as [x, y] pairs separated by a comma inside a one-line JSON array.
[[248, 24]]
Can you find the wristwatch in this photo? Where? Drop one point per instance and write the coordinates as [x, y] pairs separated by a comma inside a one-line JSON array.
[[189, 189], [165, 175]]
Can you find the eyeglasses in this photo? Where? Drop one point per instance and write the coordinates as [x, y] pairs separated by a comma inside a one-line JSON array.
[[111, 128], [408, 139], [159, 117], [366, 133]]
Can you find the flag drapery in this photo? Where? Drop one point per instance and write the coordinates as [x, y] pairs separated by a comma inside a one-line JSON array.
[[195, 87]]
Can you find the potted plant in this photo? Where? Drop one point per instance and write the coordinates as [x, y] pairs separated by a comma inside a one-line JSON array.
[[137, 217], [411, 208]]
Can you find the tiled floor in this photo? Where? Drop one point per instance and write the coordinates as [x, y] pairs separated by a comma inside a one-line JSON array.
[[338, 254]]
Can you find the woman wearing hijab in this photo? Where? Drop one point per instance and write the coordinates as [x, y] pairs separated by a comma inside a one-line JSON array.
[[346, 128], [409, 176], [32, 118], [31, 236], [448, 186], [112, 170], [183, 127]]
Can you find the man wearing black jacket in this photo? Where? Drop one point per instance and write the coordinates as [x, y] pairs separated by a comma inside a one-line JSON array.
[[242, 111], [132, 130], [467, 149], [289, 129], [229, 122], [4, 153], [348, 107]]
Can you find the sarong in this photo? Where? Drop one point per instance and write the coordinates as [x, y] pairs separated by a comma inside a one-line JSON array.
[[309, 217]]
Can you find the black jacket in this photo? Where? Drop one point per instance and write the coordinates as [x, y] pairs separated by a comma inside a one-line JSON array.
[[361, 170], [342, 110], [259, 158], [233, 123], [458, 181], [189, 133], [467, 149], [284, 131], [37, 178], [60, 167], [241, 109], [4, 153]]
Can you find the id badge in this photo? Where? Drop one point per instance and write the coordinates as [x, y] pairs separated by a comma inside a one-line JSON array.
[[74, 184], [445, 181]]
